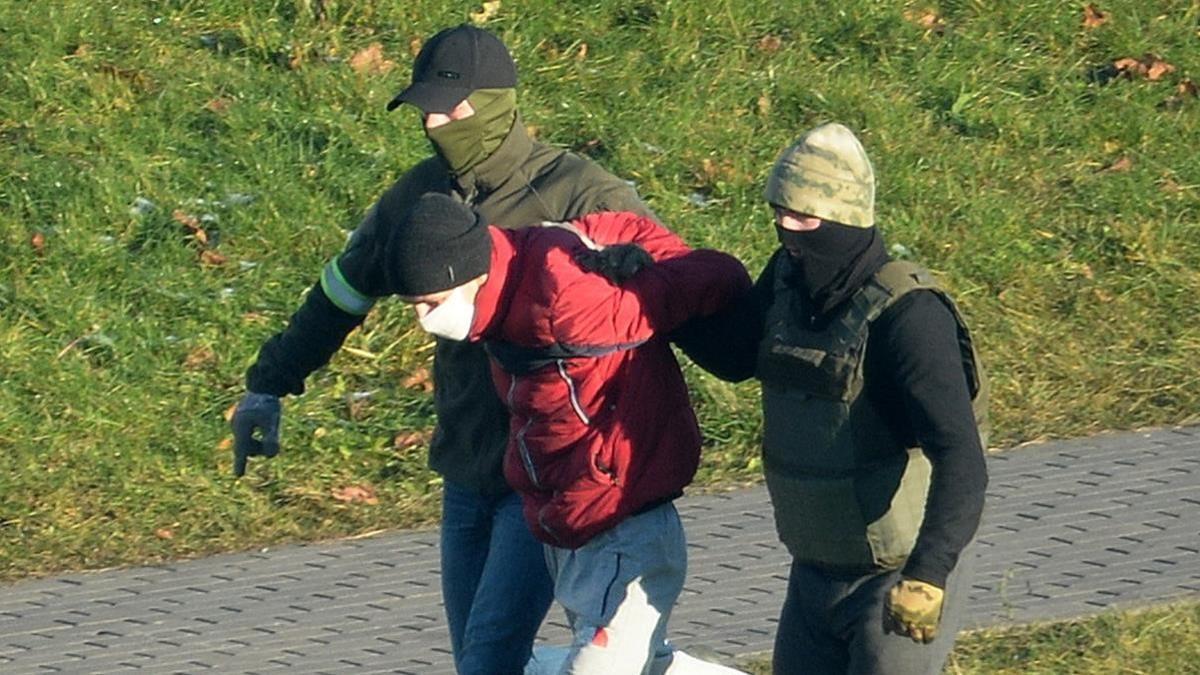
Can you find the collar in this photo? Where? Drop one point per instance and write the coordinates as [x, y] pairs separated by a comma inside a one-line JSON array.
[[499, 166], [492, 298]]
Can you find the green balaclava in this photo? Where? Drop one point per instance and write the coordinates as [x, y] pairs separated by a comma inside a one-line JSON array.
[[467, 142]]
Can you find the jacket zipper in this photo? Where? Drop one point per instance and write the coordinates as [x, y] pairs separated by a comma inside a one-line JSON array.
[[526, 457], [562, 372]]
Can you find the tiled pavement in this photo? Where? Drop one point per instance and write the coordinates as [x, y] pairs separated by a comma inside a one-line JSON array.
[[1072, 528]]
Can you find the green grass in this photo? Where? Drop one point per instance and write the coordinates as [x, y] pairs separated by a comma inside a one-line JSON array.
[[1161, 640], [120, 348]]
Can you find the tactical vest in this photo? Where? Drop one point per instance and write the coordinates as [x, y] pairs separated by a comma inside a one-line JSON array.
[[848, 489]]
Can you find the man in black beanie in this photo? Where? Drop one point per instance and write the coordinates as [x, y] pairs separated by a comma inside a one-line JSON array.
[[494, 584], [602, 434]]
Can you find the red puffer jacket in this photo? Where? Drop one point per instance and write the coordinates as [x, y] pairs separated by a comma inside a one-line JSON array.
[[601, 422]]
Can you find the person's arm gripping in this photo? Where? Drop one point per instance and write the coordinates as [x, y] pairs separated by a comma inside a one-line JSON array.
[[682, 283]]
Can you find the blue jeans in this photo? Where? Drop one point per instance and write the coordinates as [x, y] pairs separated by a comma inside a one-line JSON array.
[[495, 586]]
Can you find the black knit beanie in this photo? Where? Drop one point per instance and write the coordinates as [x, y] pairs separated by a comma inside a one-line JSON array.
[[437, 245]]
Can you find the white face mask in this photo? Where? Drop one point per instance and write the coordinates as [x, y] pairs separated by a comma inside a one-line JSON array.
[[452, 317]]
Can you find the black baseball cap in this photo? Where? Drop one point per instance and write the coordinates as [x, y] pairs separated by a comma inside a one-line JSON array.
[[454, 63]]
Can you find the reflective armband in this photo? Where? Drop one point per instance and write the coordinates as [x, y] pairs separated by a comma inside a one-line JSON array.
[[341, 293]]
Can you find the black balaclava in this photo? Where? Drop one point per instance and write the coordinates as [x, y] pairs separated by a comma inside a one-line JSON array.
[[832, 261]]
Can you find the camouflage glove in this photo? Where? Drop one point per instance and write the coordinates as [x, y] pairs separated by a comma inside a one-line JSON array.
[[255, 429], [913, 608], [618, 262]]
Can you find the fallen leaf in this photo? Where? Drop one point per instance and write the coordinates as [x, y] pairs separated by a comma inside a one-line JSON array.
[[228, 414], [356, 494], [1093, 17], [1184, 91], [532, 130], [418, 379], [769, 44], [411, 438], [255, 318], [1157, 69], [927, 19], [186, 219], [164, 533], [1120, 165], [370, 61], [1150, 66], [583, 51], [414, 45], [38, 242], [489, 12], [211, 258], [218, 105], [199, 357], [226, 444], [590, 146], [764, 105], [1102, 295]]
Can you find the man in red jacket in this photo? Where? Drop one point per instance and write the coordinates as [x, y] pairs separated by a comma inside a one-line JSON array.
[[603, 437]]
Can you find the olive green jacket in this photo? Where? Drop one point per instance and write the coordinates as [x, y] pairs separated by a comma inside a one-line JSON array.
[[523, 182]]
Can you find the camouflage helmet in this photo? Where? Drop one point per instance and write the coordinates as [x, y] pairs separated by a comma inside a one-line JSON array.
[[825, 174]]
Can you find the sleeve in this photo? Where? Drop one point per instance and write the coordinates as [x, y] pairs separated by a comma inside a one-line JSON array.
[[726, 343], [602, 191], [336, 305], [682, 283], [916, 342], [314, 333]]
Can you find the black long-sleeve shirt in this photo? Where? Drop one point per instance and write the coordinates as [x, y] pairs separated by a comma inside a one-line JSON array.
[[914, 374]]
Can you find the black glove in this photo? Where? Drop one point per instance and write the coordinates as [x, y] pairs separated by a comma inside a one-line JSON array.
[[255, 429], [618, 262]]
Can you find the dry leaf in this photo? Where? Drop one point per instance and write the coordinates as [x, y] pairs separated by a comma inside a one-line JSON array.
[[228, 414], [583, 52], [928, 20], [199, 358], [414, 45], [1150, 66], [769, 44], [164, 533], [1093, 17], [532, 130], [218, 105], [418, 379], [411, 438], [1185, 90], [489, 12], [370, 61], [1157, 69], [764, 105], [226, 444], [38, 242], [211, 258], [1122, 164], [255, 318], [186, 219], [356, 494]]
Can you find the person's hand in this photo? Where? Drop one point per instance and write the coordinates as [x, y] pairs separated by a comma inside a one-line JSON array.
[[255, 429], [617, 262], [913, 608]]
